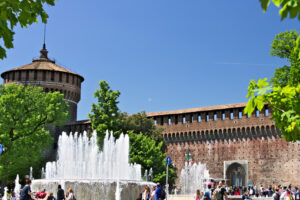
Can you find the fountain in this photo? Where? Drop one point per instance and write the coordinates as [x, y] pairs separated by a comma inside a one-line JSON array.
[[90, 173], [17, 187], [30, 174], [192, 178], [5, 194]]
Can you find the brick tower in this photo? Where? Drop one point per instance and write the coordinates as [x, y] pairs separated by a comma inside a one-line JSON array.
[[45, 73]]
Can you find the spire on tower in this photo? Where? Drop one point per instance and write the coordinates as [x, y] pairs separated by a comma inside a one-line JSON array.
[[44, 52]]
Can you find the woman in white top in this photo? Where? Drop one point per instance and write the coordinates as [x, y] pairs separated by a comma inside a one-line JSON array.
[[71, 195]]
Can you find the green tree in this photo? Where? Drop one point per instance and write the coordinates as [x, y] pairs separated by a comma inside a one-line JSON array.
[[19, 12], [283, 92], [24, 113], [145, 151], [139, 123], [105, 115], [289, 8]]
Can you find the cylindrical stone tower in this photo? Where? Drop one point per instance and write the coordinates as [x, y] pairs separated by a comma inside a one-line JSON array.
[[45, 73]]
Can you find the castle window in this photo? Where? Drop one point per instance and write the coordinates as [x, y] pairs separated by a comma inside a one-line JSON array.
[[35, 75], [67, 78], [231, 115], [20, 74], [199, 118], [215, 117], [27, 75], [257, 113], [223, 116], [60, 77], [44, 75], [240, 114], [52, 75], [207, 118], [183, 120], [192, 118], [266, 112], [169, 120], [176, 119]]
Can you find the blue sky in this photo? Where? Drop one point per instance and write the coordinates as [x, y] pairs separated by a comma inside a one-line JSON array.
[[161, 54]]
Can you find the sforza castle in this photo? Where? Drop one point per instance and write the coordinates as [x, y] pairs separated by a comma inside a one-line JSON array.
[[244, 150]]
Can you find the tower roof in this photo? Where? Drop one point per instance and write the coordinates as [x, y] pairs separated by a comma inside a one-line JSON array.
[[43, 63]]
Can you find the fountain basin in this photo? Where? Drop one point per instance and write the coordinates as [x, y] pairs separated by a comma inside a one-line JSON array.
[[94, 189]]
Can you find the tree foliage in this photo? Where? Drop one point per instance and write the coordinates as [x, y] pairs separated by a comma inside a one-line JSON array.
[[146, 151], [283, 92], [146, 144], [19, 12], [139, 123], [105, 115], [24, 112], [289, 8]]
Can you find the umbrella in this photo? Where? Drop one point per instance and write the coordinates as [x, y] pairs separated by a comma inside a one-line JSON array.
[[208, 183]]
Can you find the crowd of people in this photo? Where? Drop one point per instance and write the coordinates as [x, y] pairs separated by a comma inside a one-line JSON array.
[[155, 193], [276, 192], [26, 194]]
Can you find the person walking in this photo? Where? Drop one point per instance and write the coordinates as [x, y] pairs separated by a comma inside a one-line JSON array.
[[60, 193], [26, 191], [152, 193], [220, 192], [207, 194], [51, 197], [146, 193], [198, 196], [297, 194], [157, 194], [70, 195]]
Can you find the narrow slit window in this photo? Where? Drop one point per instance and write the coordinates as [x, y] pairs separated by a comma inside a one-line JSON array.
[[52, 75], [44, 75], [215, 117], [27, 75], [35, 75], [199, 118], [257, 113], [169, 121], [266, 112], [60, 77], [223, 116], [20, 74], [240, 114], [183, 120]]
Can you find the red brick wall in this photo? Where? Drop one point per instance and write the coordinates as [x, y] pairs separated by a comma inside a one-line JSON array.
[[271, 160]]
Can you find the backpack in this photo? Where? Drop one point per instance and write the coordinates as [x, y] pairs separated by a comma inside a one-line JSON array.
[[277, 196], [206, 197], [163, 194], [218, 195]]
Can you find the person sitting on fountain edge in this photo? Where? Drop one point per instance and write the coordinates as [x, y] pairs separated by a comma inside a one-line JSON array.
[[60, 193], [26, 191]]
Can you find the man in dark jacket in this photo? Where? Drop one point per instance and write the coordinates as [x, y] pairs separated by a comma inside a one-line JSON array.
[[60, 193]]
